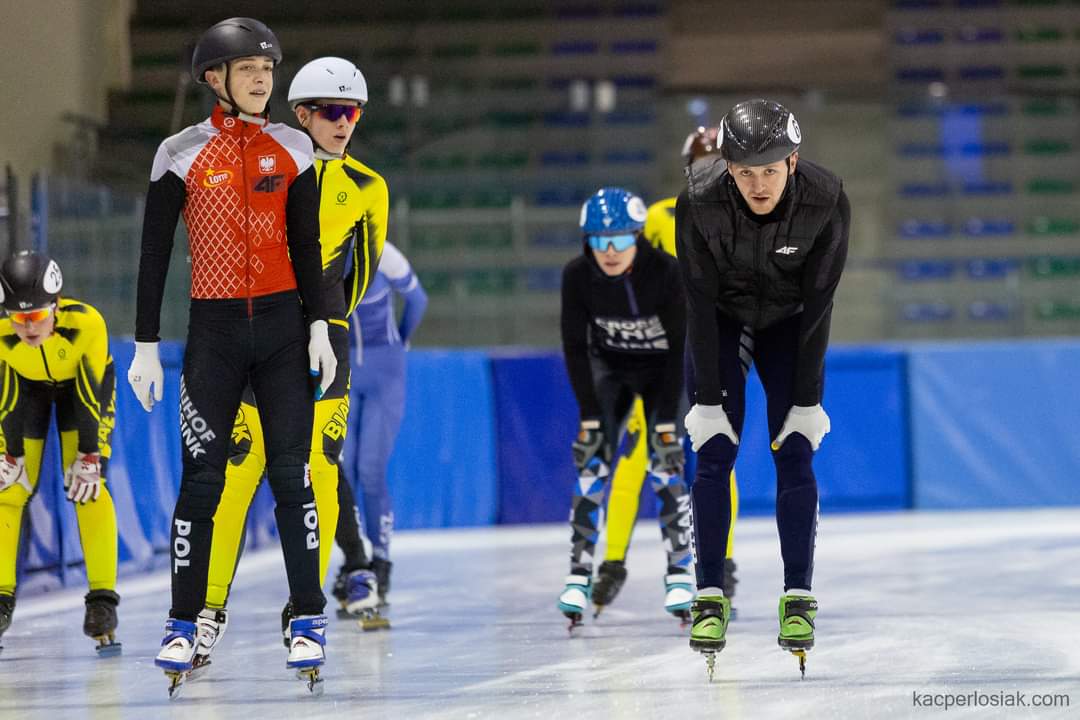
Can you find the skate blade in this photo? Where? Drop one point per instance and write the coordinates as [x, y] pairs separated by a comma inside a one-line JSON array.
[[315, 684], [108, 647], [575, 623], [199, 666], [371, 624], [801, 654], [176, 683], [710, 663]]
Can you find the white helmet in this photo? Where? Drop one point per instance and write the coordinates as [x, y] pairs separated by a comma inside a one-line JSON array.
[[328, 77]]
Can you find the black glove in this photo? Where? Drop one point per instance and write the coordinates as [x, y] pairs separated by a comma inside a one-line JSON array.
[[588, 444], [667, 451]]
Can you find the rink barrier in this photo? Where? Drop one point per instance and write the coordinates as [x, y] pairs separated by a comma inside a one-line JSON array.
[[486, 440]]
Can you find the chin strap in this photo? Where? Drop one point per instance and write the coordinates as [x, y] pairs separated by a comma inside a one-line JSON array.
[[321, 154]]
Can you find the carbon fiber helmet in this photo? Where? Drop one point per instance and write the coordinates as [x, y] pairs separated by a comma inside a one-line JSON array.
[[28, 280], [230, 39], [759, 132], [613, 211]]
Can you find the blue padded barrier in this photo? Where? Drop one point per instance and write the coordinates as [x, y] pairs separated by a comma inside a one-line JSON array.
[[991, 424]]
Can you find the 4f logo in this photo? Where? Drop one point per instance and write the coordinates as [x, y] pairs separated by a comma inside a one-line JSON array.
[[787, 250], [270, 183], [267, 164]]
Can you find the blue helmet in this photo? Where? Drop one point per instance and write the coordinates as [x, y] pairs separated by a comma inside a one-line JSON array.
[[613, 211]]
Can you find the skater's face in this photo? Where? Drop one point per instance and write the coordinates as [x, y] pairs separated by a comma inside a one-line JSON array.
[[615, 262], [34, 326], [762, 186], [330, 124], [251, 80]]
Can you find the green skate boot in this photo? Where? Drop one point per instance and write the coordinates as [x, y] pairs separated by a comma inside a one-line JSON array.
[[797, 613], [708, 631]]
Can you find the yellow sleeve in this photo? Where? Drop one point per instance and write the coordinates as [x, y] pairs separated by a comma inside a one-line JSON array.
[[660, 225], [93, 399], [367, 250]]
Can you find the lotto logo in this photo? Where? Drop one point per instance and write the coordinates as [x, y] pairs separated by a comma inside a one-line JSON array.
[[217, 178]]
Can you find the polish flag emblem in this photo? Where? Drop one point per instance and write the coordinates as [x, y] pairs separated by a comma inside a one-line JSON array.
[[267, 163]]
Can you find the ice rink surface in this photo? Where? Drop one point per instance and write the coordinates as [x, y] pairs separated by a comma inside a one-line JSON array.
[[909, 603]]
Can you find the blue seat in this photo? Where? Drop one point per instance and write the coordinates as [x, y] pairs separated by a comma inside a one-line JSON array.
[[919, 150], [575, 47], [924, 270], [984, 109], [976, 4], [567, 119], [990, 310], [637, 10], [934, 311], [630, 117], [564, 158], [991, 268], [982, 72], [980, 36], [634, 82], [915, 228], [567, 237], [547, 279], [920, 74], [580, 11], [919, 36], [924, 190], [634, 47], [988, 227], [628, 157], [987, 187], [985, 149], [917, 4], [560, 197]]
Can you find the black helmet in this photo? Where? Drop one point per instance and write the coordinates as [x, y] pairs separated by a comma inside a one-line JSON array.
[[759, 132], [28, 280], [230, 39]]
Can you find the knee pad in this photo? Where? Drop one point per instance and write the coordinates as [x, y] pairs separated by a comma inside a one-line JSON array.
[[290, 482], [715, 460], [794, 464], [200, 493]]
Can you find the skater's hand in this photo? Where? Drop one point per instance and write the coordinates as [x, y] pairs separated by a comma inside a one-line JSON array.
[[705, 422], [588, 443], [12, 471], [145, 375], [321, 356], [83, 478], [668, 455], [810, 422]]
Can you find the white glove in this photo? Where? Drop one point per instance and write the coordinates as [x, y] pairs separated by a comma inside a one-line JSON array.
[[810, 422], [12, 471], [83, 478], [704, 422], [321, 356], [145, 375]]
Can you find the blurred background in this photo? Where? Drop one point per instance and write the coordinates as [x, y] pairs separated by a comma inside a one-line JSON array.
[[954, 124]]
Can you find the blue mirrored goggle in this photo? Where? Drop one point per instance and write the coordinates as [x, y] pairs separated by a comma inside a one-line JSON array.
[[619, 242]]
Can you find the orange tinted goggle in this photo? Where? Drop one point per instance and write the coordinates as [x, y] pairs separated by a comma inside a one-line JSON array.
[[22, 317]]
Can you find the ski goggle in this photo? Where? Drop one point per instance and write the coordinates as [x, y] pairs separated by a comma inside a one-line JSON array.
[[335, 111], [22, 317], [619, 242]]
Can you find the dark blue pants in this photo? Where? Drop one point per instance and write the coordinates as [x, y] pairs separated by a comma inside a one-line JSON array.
[[774, 352]]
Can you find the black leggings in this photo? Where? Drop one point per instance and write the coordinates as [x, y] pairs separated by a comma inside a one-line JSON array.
[[774, 351], [232, 343]]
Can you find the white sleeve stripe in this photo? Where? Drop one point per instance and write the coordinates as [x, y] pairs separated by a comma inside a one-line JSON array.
[[393, 264]]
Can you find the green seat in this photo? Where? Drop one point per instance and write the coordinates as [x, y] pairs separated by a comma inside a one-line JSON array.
[[517, 49], [1045, 108], [1050, 186], [490, 238], [1039, 35], [508, 119], [436, 282], [1047, 147], [513, 84], [1043, 225], [503, 161], [1041, 72], [379, 123], [445, 124], [490, 282], [435, 200], [1058, 310], [455, 52], [492, 198], [1053, 268], [455, 12], [431, 239], [1036, 3]]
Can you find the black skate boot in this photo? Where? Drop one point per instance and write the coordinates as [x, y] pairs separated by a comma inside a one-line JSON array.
[[609, 581], [382, 576], [729, 583], [286, 618], [100, 621], [7, 608]]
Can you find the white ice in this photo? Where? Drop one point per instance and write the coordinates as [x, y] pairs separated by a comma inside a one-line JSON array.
[[909, 603]]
